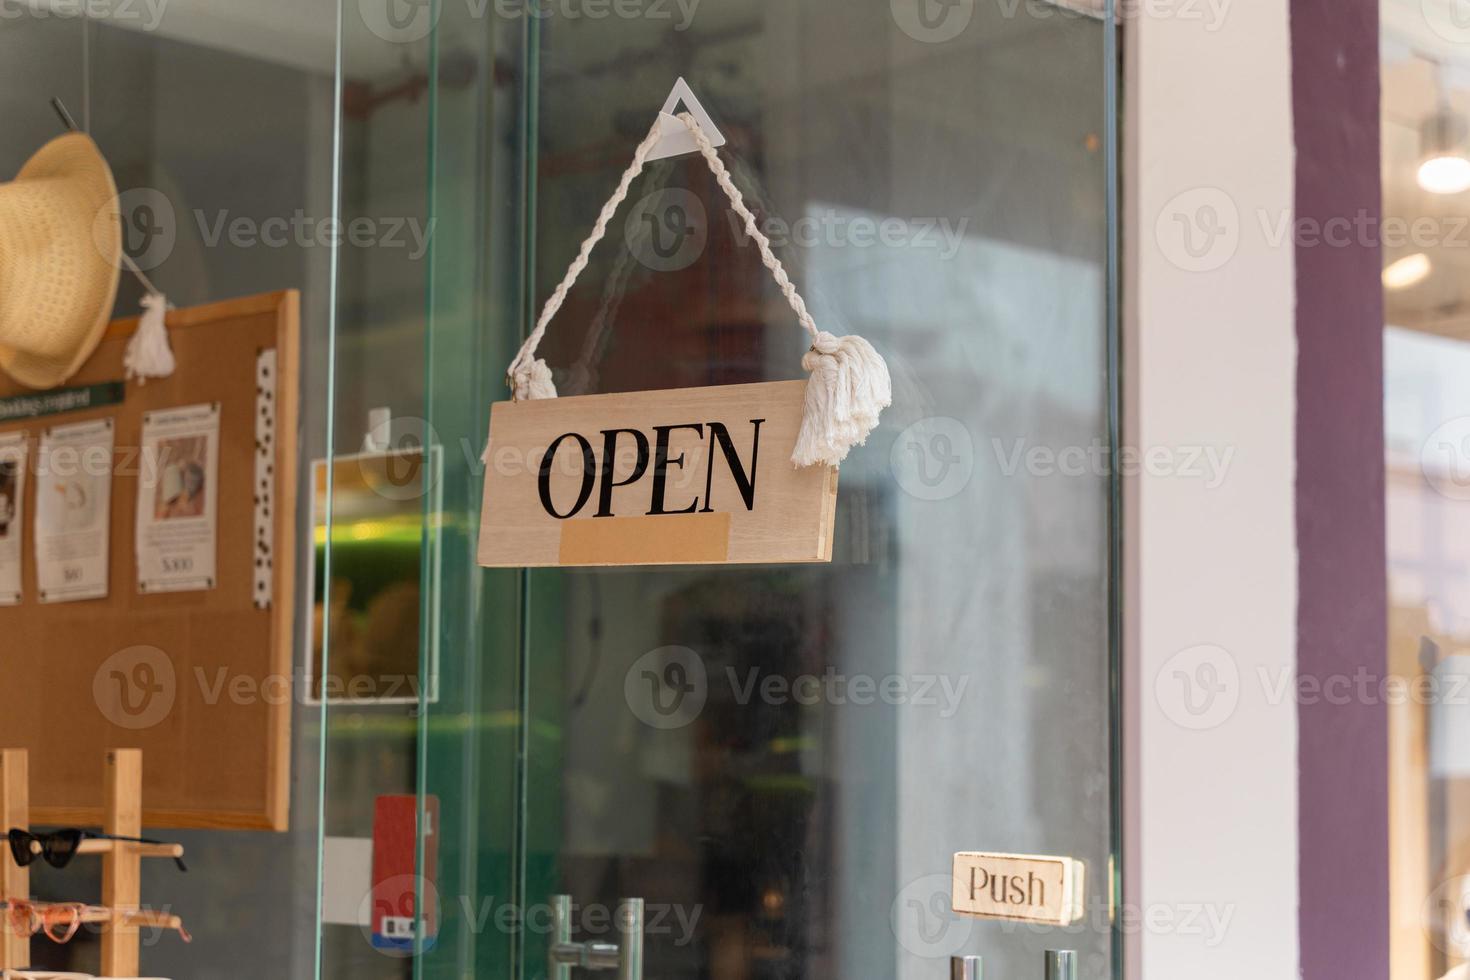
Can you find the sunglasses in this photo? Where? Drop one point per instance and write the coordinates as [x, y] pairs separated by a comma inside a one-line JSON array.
[[59, 922], [60, 846]]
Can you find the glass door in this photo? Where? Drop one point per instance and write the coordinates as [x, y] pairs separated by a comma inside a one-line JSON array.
[[779, 761]]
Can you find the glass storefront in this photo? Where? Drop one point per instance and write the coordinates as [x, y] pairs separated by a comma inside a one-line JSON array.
[[780, 761], [1426, 101]]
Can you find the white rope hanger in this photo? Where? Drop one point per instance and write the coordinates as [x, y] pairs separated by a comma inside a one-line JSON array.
[[849, 384]]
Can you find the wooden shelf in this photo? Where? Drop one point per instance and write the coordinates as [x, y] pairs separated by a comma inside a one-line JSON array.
[[121, 861]]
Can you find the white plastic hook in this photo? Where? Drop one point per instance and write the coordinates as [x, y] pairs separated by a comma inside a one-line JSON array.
[[674, 138]]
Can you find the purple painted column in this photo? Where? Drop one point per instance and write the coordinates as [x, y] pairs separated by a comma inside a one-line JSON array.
[[1342, 622]]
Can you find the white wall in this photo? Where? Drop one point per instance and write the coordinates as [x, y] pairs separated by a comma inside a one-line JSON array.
[[1211, 572]]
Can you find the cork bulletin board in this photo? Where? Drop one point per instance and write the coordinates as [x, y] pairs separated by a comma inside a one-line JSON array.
[[200, 680]]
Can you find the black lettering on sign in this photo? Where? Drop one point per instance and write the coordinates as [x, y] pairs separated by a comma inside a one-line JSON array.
[[609, 461], [604, 476], [745, 481], [589, 474], [1008, 889], [661, 463]]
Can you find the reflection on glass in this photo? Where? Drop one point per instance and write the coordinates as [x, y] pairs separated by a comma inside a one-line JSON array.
[[1427, 414], [782, 760], [378, 568]]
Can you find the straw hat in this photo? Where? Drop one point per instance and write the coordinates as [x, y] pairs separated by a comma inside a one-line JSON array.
[[60, 245]]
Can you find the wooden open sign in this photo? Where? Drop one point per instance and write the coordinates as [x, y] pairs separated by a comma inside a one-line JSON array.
[[682, 477]]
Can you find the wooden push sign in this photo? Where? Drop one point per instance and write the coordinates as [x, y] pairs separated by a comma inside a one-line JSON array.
[[1018, 887], [689, 476]]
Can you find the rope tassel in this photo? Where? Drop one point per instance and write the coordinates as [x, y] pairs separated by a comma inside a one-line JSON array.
[[148, 354], [849, 387], [849, 384]]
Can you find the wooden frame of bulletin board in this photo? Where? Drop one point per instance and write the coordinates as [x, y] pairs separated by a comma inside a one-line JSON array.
[[218, 741]]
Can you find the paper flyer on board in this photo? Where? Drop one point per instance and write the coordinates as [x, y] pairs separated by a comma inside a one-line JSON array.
[[178, 521], [12, 514], [73, 511]]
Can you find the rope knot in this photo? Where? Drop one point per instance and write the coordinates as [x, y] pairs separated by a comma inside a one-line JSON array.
[[849, 387], [826, 343], [531, 379]]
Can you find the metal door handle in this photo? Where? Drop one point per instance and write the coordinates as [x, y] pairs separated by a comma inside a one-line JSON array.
[[1061, 964], [626, 957], [966, 968]]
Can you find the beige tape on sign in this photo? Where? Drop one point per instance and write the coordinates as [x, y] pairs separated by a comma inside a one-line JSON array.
[[741, 473]]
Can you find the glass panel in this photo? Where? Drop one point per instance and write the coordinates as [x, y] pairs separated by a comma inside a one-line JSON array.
[[1426, 112], [209, 115], [378, 560], [937, 183]]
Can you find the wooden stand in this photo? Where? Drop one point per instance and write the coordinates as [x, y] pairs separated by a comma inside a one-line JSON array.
[[15, 951], [121, 860]]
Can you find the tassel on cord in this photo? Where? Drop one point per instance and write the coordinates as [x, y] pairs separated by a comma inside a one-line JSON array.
[[148, 354], [848, 388]]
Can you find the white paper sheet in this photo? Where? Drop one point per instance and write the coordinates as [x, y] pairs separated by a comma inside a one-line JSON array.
[[73, 511], [178, 518], [13, 448]]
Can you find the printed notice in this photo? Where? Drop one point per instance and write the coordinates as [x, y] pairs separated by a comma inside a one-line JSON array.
[[12, 503], [177, 517], [73, 511]]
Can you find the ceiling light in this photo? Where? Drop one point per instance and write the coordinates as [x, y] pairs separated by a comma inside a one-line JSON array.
[[1444, 167], [1407, 271]]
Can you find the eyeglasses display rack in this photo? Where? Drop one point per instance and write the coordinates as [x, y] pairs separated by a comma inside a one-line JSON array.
[[121, 859]]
